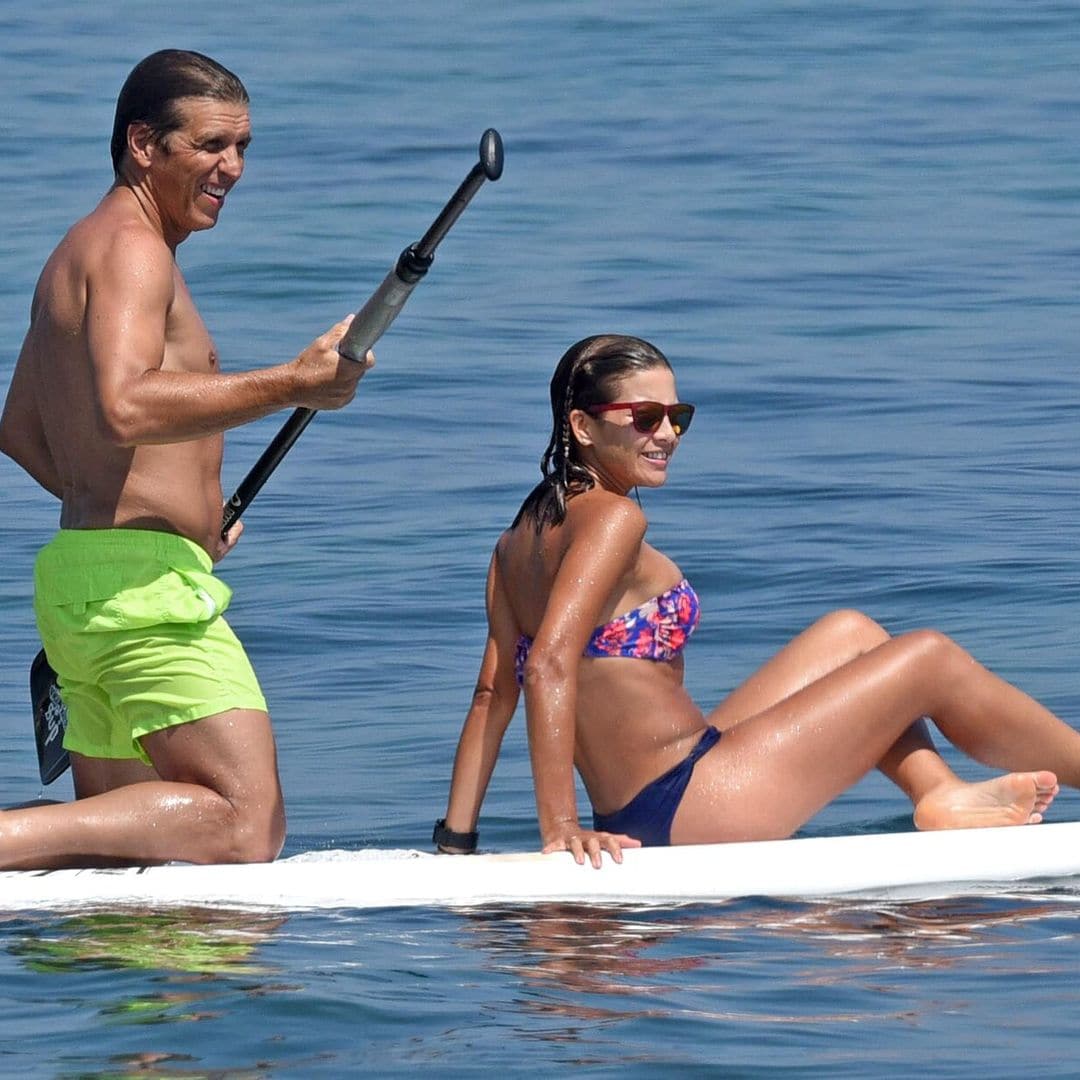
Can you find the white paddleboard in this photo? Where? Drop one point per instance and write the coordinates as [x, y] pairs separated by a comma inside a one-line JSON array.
[[908, 865]]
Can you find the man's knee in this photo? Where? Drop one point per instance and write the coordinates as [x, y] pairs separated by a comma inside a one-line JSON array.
[[258, 835]]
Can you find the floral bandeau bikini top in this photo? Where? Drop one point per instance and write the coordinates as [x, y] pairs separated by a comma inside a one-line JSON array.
[[657, 630]]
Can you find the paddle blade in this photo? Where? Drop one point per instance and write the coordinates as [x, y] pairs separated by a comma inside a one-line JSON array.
[[50, 720]]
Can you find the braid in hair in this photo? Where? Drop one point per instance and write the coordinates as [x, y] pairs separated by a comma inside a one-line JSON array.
[[571, 477]]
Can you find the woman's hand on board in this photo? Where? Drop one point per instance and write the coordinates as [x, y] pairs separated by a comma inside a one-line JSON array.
[[588, 842]]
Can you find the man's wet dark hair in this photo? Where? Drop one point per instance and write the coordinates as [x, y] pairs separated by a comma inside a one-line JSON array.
[[150, 93]]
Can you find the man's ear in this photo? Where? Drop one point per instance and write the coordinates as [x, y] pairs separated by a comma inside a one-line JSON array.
[[580, 423], [141, 144]]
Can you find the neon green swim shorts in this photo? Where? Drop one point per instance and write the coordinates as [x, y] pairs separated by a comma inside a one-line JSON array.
[[131, 623]]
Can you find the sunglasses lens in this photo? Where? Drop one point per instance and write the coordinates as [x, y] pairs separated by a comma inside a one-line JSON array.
[[681, 415], [648, 416]]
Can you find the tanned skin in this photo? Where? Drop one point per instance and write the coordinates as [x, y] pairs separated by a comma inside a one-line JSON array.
[[118, 406]]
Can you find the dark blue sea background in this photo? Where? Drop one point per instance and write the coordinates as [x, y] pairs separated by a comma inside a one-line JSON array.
[[853, 228]]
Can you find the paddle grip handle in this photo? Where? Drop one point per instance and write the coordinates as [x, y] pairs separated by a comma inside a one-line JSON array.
[[384, 304]]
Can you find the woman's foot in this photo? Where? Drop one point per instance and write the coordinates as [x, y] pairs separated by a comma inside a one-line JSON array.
[[1011, 799]]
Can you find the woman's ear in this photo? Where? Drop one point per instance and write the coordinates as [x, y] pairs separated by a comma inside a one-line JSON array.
[[580, 427]]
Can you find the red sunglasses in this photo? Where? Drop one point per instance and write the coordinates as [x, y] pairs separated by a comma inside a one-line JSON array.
[[649, 415]]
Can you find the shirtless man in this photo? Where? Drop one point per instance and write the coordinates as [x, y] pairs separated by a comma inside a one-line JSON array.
[[118, 407]]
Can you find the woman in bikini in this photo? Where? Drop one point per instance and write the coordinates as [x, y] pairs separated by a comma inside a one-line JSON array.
[[590, 622]]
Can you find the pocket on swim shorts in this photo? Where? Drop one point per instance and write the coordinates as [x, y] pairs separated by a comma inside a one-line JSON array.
[[175, 596]]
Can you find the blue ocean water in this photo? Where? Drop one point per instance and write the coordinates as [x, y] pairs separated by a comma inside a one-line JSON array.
[[853, 228]]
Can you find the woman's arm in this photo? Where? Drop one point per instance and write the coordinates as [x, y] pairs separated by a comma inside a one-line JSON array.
[[605, 543], [494, 701]]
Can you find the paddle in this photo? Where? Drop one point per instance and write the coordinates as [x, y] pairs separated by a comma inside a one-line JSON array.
[[369, 324]]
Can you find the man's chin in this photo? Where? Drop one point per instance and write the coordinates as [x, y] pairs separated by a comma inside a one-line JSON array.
[[202, 219]]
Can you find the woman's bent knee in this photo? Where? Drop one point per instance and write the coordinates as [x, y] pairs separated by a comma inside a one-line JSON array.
[[849, 625], [930, 641], [939, 654]]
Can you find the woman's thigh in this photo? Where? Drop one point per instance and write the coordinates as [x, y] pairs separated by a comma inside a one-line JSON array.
[[772, 771], [832, 641]]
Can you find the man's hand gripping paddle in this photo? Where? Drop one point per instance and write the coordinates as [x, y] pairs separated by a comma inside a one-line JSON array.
[[369, 324]]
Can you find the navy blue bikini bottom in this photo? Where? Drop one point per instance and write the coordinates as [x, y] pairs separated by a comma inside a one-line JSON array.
[[648, 815]]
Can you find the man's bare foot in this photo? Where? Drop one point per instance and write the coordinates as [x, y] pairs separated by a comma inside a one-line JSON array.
[[1010, 799]]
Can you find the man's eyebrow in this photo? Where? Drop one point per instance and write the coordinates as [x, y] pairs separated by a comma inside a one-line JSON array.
[[220, 135]]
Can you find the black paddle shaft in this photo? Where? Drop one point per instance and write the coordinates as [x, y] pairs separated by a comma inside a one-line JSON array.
[[372, 320]]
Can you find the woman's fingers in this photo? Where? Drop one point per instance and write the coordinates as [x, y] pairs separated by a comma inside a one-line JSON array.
[[590, 844]]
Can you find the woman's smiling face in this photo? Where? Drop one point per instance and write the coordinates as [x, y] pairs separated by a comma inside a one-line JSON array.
[[611, 447]]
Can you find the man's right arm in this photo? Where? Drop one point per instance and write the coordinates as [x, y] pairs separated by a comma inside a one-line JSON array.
[[22, 434], [130, 296]]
